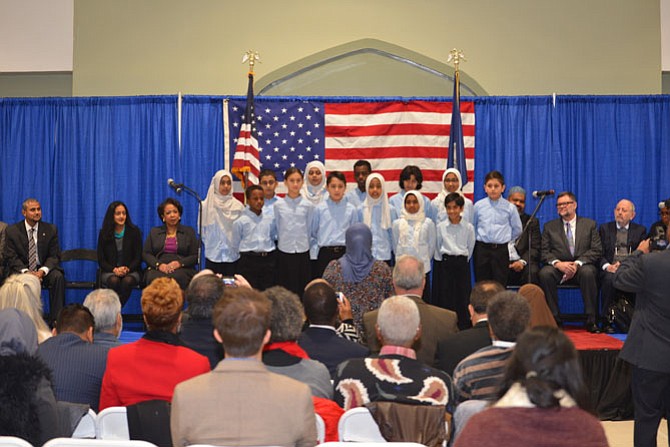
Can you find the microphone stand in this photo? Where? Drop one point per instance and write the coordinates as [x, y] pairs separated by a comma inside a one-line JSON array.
[[525, 229], [197, 197]]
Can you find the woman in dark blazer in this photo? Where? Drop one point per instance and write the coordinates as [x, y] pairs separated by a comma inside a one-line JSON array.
[[119, 251], [171, 250]]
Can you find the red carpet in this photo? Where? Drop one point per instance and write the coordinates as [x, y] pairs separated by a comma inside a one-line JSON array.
[[584, 341]]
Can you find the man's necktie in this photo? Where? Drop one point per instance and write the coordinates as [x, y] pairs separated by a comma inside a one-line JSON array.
[[571, 240], [32, 251]]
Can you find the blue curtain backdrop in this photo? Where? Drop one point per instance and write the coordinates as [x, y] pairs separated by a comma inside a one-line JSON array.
[[76, 155]]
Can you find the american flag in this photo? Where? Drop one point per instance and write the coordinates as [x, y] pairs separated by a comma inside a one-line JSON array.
[[389, 134], [246, 164]]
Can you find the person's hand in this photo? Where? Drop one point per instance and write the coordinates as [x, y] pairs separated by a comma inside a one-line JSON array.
[[567, 267], [517, 266], [612, 268], [165, 268], [344, 308], [644, 246], [241, 281], [39, 274]]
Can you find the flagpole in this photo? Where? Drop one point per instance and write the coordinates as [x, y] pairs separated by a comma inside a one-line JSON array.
[[456, 155]]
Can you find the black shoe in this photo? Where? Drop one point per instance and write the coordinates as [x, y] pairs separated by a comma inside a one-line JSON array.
[[592, 328], [608, 329]]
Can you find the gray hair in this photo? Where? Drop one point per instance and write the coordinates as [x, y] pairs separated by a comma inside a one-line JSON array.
[[202, 294], [408, 273], [105, 306], [398, 320], [287, 315], [24, 205], [516, 190]]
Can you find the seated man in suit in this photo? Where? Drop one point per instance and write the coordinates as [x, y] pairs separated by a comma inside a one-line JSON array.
[[571, 249], [320, 340], [105, 306], [619, 238], [523, 257], [462, 344], [76, 363], [240, 402], [396, 374], [437, 324], [31, 246]]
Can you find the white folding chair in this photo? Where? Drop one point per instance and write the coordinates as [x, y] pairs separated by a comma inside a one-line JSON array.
[[112, 424], [74, 442], [86, 426], [357, 425], [13, 441], [320, 429]]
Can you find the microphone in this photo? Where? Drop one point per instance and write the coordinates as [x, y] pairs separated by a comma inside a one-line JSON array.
[[176, 186], [548, 192]]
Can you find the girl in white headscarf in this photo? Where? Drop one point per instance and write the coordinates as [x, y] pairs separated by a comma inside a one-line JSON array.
[[451, 182], [378, 215], [314, 188], [219, 210], [414, 234]]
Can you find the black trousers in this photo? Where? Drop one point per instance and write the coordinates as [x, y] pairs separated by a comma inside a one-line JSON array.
[[293, 271], [587, 280], [258, 268], [651, 399], [491, 262], [452, 287], [222, 268], [55, 282]]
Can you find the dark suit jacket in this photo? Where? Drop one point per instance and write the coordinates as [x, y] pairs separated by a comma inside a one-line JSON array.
[[187, 247], [457, 347], [532, 255], [437, 324], [607, 232], [648, 343], [132, 250], [329, 348], [16, 247], [588, 249]]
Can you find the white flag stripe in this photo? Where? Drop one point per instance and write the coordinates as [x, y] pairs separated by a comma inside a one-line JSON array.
[[364, 120]]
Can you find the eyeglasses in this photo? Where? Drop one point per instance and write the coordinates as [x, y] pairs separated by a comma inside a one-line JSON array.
[[564, 204], [664, 213]]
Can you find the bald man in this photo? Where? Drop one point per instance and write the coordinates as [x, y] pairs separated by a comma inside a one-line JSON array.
[[619, 238]]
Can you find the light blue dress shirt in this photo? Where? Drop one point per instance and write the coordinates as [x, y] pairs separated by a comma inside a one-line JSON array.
[[382, 240], [423, 248], [254, 233], [455, 239], [356, 197], [496, 222], [331, 221], [293, 218]]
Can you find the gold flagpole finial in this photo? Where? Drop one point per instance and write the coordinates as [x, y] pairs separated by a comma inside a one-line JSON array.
[[252, 57], [456, 56]]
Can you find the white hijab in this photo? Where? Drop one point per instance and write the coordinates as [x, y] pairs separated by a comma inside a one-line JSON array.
[[419, 217], [438, 201], [219, 209], [315, 194], [369, 203]]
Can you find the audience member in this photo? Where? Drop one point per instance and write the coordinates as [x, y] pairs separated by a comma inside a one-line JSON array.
[[646, 347], [171, 250], [478, 375], [197, 330], [364, 280], [23, 292], [119, 251], [541, 400], [258, 407], [76, 363], [320, 340], [28, 407], [362, 169], [571, 249], [524, 255], [396, 374], [283, 355], [437, 324], [451, 350], [105, 306], [31, 246], [150, 368], [540, 314], [619, 238], [347, 328]]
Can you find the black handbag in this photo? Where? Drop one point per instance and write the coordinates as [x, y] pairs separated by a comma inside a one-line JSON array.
[[620, 314]]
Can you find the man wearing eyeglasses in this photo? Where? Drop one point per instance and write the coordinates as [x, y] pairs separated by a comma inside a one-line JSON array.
[[571, 250]]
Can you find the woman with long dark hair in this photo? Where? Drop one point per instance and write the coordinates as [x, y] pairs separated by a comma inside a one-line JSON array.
[[541, 400], [119, 251]]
